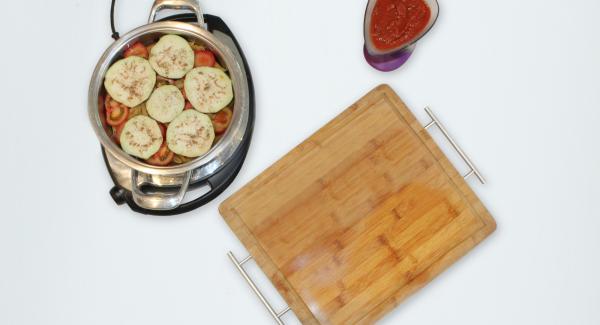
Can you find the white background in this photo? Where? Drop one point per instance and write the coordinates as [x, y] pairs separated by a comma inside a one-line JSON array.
[[516, 82]]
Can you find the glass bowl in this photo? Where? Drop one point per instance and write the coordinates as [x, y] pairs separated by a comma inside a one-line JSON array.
[[392, 59]]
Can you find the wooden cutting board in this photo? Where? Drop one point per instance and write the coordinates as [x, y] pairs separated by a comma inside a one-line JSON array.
[[359, 216]]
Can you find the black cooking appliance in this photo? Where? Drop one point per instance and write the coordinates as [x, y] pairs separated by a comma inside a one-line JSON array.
[[218, 173]]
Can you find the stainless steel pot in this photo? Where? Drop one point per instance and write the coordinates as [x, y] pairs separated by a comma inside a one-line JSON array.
[[183, 175]]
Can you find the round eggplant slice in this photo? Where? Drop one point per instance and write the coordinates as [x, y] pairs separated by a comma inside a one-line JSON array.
[[172, 57], [141, 137], [208, 89], [130, 81], [190, 134], [165, 103]]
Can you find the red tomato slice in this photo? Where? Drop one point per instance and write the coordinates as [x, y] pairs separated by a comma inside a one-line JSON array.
[[204, 58], [221, 120], [137, 49], [116, 113], [162, 157]]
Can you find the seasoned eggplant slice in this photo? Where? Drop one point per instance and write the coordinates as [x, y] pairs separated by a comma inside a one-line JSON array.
[[165, 103], [141, 137], [172, 57], [190, 134], [130, 81], [208, 89]]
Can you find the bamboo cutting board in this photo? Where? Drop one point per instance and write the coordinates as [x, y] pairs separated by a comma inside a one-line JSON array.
[[359, 216]]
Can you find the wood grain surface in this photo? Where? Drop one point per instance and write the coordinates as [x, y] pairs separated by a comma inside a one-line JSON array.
[[359, 216]]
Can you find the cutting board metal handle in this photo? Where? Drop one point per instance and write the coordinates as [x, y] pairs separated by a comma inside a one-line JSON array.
[[473, 169], [240, 267]]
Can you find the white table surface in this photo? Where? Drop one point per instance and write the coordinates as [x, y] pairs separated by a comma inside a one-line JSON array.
[[516, 82]]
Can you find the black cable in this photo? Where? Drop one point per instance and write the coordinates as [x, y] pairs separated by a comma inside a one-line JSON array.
[[115, 34]]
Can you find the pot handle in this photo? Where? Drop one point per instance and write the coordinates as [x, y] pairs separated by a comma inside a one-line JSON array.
[[158, 201], [192, 5]]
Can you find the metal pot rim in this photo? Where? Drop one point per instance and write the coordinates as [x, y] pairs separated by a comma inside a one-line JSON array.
[[214, 159]]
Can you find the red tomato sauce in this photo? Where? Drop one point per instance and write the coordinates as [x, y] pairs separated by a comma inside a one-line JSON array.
[[397, 22]]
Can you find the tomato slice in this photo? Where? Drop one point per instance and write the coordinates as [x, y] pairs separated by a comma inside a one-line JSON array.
[[204, 58], [162, 157], [221, 120], [116, 113], [137, 49]]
